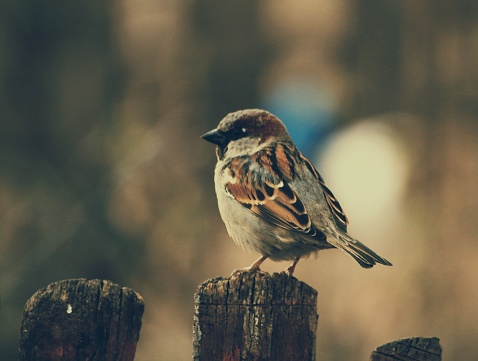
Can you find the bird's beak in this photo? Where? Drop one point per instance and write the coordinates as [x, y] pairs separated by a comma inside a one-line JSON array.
[[215, 136]]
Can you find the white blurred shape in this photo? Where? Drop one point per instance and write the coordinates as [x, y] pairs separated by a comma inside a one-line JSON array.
[[366, 167]]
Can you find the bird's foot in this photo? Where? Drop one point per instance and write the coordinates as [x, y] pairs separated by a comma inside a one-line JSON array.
[[290, 270], [247, 269], [255, 267]]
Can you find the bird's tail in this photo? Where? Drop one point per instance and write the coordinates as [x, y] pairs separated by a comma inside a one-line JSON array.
[[360, 252]]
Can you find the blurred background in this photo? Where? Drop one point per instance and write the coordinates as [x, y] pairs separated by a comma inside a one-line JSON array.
[[103, 173]]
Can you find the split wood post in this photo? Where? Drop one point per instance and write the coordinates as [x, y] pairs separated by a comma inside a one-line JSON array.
[[255, 316], [77, 320], [409, 349]]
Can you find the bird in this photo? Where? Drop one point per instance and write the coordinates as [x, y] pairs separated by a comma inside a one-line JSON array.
[[272, 199]]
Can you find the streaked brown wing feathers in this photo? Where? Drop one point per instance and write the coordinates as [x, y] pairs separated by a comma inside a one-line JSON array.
[[339, 215], [273, 201], [277, 201]]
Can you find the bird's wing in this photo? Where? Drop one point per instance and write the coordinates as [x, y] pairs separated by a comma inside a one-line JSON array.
[[339, 215], [269, 196]]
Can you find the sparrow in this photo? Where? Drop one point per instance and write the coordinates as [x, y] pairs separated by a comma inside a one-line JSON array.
[[271, 198]]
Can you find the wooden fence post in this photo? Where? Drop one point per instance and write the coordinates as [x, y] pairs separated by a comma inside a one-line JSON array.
[[77, 320], [409, 349], [255, 316]]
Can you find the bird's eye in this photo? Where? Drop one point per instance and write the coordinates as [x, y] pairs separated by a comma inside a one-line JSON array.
[[238, 133]]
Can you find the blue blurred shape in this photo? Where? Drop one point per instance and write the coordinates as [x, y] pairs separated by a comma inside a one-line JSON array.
[[306, 109]]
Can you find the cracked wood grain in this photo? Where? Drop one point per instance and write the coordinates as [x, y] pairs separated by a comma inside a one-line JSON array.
[[75, 320], [409, 349], [255, 316]]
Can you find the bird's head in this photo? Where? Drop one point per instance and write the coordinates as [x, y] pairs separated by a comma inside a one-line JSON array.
[[245, 132]]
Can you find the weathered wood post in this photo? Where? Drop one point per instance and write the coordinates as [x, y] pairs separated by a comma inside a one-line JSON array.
[[77, 320], [409, 349], [255, 316]]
